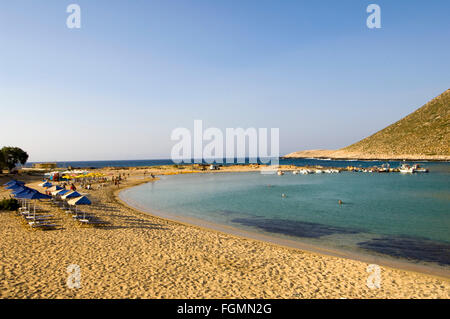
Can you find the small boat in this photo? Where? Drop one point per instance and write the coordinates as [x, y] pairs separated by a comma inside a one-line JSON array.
[[318, 171], [418, 169], [406, 169], [280, 173], [384, 168], [295, 172]]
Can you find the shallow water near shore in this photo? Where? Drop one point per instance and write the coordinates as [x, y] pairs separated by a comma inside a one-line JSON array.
[[402, 217]]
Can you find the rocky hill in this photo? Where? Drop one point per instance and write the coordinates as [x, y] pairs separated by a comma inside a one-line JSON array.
[[423, 134]]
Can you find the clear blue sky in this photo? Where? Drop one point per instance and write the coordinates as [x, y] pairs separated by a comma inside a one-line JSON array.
[[117, 87]]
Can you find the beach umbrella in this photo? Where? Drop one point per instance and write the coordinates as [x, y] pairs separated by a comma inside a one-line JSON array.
[[19, 189], [83, 200], [23, 193], [19, 196], [23, 190], [46, 184], [35, 195], [71, 195], [54, 188], [60, 192], [13, 182], [15, 186]]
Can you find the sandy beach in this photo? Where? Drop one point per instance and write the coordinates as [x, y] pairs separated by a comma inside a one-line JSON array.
[[138, 255]]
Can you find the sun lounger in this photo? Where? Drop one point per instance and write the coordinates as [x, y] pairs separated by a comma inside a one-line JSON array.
[[85, 216], [41, 225], [38, 217], [85, 221]]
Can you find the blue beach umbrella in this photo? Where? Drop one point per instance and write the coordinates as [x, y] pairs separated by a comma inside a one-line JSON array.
[[60, 192], [54, 188], [82, 200], [19, 189], [35, 195], [23, 193], [71, 195], [13, 182], [15, 186], [63, 192], [46, 184], [23, 190]]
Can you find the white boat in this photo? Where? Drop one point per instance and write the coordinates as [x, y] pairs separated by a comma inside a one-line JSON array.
[[280, 173], [318, 171], [295, 172], [406, 169], [418, 169]]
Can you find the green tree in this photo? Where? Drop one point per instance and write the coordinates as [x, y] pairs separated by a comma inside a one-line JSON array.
[[11, 156]]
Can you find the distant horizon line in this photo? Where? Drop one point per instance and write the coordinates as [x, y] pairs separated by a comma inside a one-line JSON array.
[[125, 160]]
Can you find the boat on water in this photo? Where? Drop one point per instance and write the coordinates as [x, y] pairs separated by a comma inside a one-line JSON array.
[[408, 169], [280, 173], [385, 168], [418, 169], [295, 172]]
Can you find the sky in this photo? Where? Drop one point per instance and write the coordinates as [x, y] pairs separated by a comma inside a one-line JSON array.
[[117, 87]]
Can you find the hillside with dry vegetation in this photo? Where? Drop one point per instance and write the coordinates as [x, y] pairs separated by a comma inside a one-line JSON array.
[[423, 134]]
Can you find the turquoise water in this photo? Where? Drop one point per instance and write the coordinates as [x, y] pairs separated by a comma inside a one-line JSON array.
[[283, 161], [396, 215]]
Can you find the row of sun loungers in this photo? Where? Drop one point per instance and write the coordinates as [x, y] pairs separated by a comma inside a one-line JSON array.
[[79, 216], [36, 219]]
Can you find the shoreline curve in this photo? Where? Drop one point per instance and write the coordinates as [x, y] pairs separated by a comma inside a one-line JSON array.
[[278, 242]]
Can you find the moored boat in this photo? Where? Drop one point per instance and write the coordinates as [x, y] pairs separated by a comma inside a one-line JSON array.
[[406, 169], [418, 169]]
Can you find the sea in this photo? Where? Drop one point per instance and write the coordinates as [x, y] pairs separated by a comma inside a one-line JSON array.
[[400, 217]]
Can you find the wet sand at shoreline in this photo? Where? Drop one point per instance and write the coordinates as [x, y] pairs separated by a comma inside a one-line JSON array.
[[142, 256]]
